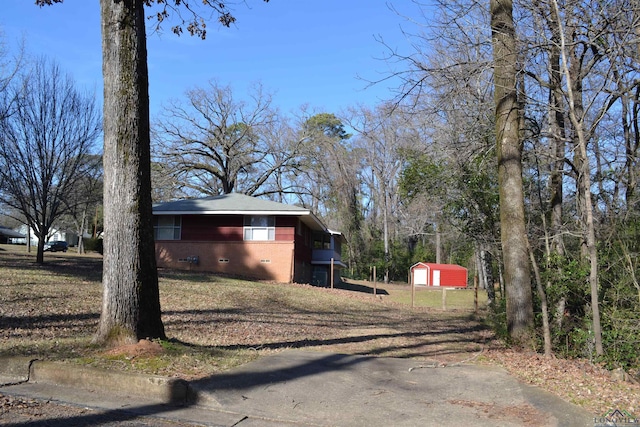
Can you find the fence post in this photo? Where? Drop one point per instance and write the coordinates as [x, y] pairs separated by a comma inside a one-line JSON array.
[[475, 293], [375, 280], [444, 299], [331, 273], [413, 292]]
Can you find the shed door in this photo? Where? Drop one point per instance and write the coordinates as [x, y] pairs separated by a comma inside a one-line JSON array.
[[436, 277], [420, 276]]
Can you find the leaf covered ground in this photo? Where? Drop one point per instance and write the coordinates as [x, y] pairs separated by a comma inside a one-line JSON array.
[[215, 323]]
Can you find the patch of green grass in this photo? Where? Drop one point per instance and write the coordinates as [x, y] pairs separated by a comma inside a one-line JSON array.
[[177, 359], [459, 299]]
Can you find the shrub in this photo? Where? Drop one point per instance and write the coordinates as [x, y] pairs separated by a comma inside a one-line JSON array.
[[93, 245]]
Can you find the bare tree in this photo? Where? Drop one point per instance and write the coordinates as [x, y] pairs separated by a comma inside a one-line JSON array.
[[446, 83], [85, 198], [383, 135], [574, 74], [218, 144], [165, 186], [7, 72], [9, 68], [328, 178], [50, 129], [591, 81]]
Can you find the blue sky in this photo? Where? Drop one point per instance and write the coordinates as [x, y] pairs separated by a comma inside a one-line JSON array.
[[306, 52]]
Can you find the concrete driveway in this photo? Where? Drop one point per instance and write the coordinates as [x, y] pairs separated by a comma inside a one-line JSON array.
[[318, 389]]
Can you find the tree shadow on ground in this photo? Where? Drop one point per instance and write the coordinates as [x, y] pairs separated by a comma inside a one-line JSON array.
[[354, 287], [465, 340], [86, 269], [191, 276], [226, 381]]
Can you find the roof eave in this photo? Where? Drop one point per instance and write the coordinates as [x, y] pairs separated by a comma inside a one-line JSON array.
[[231, 212], [305, 216]]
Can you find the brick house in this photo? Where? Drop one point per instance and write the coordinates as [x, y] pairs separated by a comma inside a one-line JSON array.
[[246, 236]]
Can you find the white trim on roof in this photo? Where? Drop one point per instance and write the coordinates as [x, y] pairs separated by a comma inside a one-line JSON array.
[[234, 212]]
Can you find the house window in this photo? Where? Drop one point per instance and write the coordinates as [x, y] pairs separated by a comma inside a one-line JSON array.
[[259, 227], [167, 227], [321, 241]]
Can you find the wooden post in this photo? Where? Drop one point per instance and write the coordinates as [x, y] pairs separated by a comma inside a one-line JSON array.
[[28, 238], [292, 273], [475, 293], [375, 282], [413, 292], [444, 299], [331, 273]]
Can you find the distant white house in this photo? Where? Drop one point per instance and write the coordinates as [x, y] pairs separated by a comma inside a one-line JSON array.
[[55, 235]]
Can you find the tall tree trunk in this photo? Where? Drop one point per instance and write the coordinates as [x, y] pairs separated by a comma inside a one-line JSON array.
[[131, 300], [558, 144], [480, 271], [558, 137], [631, 147], [544, 306], [40, 250], [81, 228], [576, 115], [485, 257], [438, 242], [517, 273], [385, 228]]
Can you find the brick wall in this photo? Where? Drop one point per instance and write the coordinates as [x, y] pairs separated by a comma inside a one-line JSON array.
[[260, 260]]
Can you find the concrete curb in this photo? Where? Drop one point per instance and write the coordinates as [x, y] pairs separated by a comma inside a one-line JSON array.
[[172, 391], [14, 369]]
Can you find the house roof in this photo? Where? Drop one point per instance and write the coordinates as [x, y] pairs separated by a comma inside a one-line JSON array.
[[339, 234], [236, 204], [7, 232]]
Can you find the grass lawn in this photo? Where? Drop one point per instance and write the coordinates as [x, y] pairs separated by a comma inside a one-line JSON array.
[[51, 311], [454, 299], [457, 299]]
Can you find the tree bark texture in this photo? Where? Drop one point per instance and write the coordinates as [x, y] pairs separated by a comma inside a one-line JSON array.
[[131, 301], [517, 273]]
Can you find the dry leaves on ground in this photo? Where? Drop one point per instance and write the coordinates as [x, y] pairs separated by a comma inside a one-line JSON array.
[[575, 380]]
